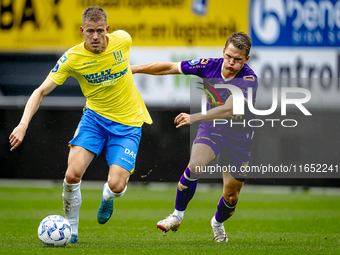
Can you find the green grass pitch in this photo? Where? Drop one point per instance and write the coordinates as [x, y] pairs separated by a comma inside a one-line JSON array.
[[265, 222]]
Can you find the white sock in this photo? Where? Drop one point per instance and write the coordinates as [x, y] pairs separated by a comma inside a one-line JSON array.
[[180, 214], [72, 203], [108, 194], [215, 223]]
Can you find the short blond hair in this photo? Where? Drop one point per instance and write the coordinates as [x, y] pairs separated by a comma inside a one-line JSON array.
[[94, 14]]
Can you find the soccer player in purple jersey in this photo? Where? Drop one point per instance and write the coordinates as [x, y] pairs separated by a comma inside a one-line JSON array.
[[231, 143]]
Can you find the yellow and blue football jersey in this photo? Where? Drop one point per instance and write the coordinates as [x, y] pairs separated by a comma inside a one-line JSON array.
[[105, 79]]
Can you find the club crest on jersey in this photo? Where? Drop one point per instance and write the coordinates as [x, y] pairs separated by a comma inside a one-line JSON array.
[[118, 55], [56, 68], [194, 62], [205, 61]]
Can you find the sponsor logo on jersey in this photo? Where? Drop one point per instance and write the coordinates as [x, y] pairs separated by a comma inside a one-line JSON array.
[[104, 76], [88, 63], [56, 68], [194, 62]]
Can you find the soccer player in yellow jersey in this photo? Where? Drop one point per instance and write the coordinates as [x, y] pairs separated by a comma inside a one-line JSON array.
[[113, 115]]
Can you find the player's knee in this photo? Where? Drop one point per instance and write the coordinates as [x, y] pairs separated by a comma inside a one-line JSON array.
[[73, 174], [195, 166], [231, 198], [72, 178], [117, 187]]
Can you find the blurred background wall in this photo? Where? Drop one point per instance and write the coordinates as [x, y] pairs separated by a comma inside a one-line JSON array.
[[295, 44]]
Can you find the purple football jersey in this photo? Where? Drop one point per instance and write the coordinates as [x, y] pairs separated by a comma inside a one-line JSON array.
[[237, 133]]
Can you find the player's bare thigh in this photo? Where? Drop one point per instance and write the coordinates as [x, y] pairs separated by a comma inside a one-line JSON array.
[[78, 161], [231, 188], [118, 178], [201, 155]]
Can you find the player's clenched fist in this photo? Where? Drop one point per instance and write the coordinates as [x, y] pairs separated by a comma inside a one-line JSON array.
[[182, 119], [17, 136]]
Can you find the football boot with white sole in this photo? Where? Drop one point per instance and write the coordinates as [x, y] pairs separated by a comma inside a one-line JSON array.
[[219, 233], [172, 222]]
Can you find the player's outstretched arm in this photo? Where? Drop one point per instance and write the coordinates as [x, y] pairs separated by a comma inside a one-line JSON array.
[[219, 112], [157, 68], [31, 107]]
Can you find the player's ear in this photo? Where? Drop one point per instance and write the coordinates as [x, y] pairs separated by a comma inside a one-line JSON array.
[[82, 29], [247, 58], [107, 28]]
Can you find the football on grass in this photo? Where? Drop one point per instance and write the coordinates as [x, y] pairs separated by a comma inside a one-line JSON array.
[[54, 230]]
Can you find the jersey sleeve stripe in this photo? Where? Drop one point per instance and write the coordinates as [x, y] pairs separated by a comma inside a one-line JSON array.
[[180, 68]]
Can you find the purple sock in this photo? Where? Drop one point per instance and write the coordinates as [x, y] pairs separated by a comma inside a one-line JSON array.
[[224, 210], [185, 189]]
